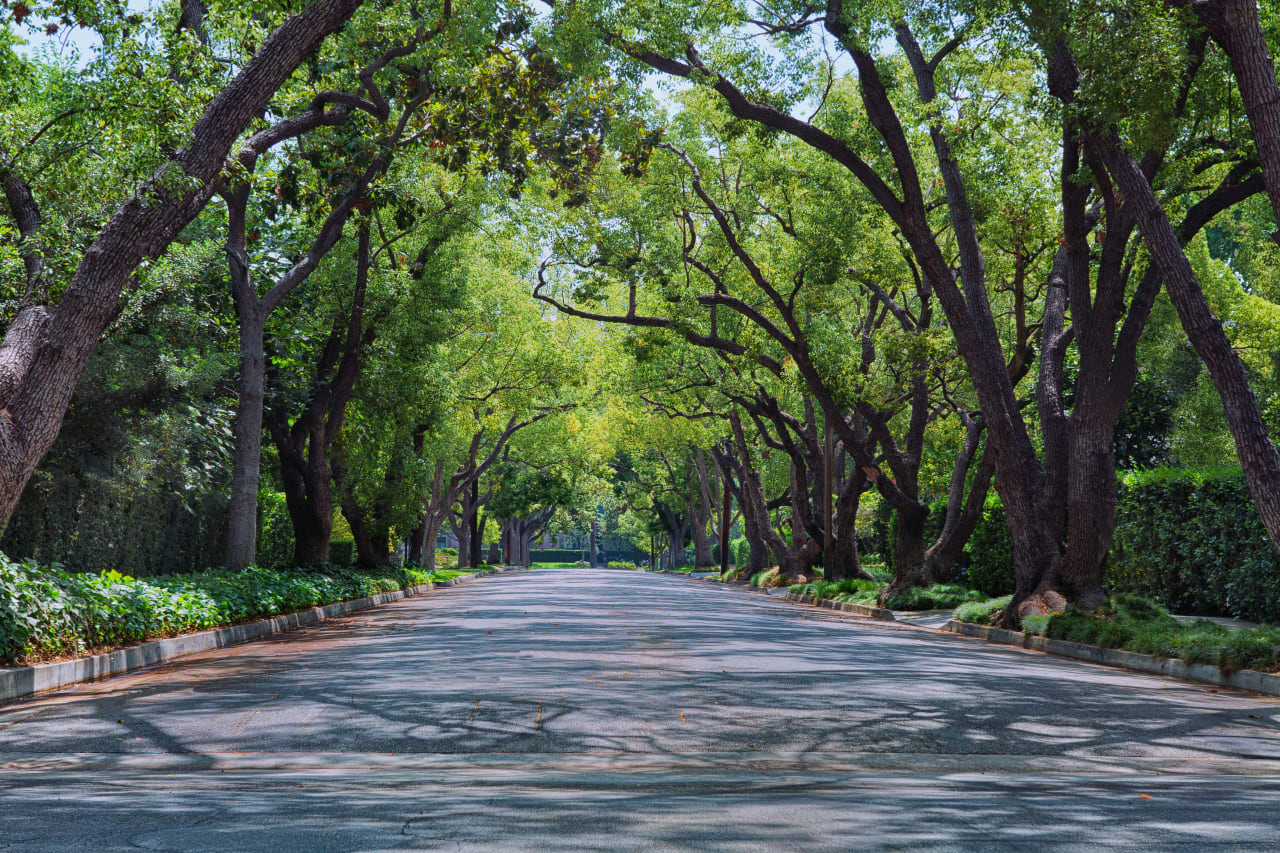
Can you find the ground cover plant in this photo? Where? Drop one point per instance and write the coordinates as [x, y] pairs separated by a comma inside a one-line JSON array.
[[982, 612], [1140, 625], [46, 613], [849, 589]]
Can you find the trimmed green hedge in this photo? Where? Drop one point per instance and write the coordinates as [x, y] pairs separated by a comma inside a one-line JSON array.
[[1192, 540], [989, 553], [46, 613], [556, 555]]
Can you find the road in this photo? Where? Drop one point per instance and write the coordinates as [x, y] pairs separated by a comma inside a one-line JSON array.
[[597, 710]]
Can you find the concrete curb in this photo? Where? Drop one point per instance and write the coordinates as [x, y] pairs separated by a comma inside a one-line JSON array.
[[1245, 679], [847, 606], [21, 681]]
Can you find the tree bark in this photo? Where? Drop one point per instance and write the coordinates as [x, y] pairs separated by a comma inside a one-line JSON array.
[[142, 228], [1258, 455]]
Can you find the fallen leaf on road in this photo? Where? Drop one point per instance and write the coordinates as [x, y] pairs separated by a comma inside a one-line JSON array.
[[682, 719], [1146, 796]]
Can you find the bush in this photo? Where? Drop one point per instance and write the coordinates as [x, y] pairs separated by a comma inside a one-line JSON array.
[[849, 589], [556, 555], [937, 597], [1192, 540], [770, 579], [275, 530], [741, 553], [622, 564], [990, 552], [47, 613], [981, 612], [341, 552], [1140, 625]]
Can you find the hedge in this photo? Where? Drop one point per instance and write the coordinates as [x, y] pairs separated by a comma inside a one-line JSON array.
[[556, 555], [47, 613], [1191, 540]]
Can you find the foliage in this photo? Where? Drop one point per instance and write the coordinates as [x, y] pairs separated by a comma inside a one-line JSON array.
[[341, 552], [741, 552], [849, 589], [620, 564], [47, 613], [982, 612], [990, 552], [554, 555], [936, 597], [1140, 625], [275, 530], [1193, 541]]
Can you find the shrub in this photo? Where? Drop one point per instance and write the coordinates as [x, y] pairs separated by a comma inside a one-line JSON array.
[[622, 564], [741, 553], [990, 552], [936, 597], [1140, 625], [1193, 541], [770, 579], [556, 555], [45, 612], [275, 530], [849, 589], [982, 612], [341, 552]]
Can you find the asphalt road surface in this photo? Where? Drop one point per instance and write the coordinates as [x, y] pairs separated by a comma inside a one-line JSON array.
[[596, 710]]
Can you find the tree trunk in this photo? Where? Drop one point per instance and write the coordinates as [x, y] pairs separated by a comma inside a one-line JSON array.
[[242, 509], [1258, 455], [843, 560], [415, 545], [311, 512], [476, 526], [41, 378], [463, 533], [726, 513], [370, 539], [910, 569], [431, 532], [701, 545]]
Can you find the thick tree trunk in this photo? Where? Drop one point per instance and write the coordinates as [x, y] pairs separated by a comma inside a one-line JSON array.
[[430, 533], [843, 560], [141, 228], [476, 526], [463, 533], [726, 514], [370, 537], [242, 510], [701, 544], [1091, 512], [311, 511], [910, 568], [1235, 26], [415, 545], [1258, 455]]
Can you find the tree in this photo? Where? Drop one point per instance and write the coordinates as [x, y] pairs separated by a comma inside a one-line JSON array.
[[46, 347]]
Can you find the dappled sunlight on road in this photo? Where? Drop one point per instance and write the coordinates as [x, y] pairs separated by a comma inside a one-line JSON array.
[[780, 715]]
